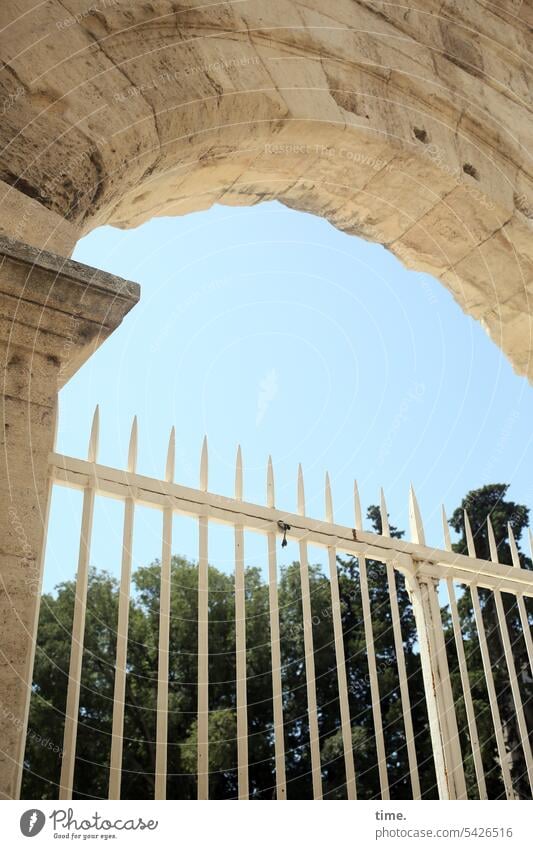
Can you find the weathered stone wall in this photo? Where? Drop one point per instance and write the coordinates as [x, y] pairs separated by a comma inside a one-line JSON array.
[[407, 124]]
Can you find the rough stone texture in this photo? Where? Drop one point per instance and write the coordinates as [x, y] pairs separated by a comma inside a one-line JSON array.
[[407, 124], [53, 314]]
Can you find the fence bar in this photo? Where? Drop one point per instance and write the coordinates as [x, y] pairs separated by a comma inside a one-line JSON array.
[[435, 670], [489, 680], [240, 648], [404, 686], [439, 697], [115, 774], [400, 658], [78, 627], [446, 530], [526, 630], [448, 715], [504, 631], [485, 656], [310, 676], [374, 686], [240, 644], [467, 692], [273, 601], [203, 636], [415, 519], [524, 619], [371, 655], [515, 690], [340, 658], [119, 695], [385, 527], [162, 668], [346, 725], [164, 638]]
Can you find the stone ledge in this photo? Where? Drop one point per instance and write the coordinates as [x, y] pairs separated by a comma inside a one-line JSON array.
[[57, 308], [69, 268]]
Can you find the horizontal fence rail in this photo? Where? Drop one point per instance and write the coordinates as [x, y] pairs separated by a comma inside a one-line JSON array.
[[412, 567]]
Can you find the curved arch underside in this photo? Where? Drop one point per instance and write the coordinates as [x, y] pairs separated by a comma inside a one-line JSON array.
[[405, 126]]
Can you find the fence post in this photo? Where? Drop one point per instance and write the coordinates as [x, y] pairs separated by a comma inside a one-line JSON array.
[[423, 591]]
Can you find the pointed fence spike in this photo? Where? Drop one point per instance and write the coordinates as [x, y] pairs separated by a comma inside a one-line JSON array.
[[446, 530], [357, 508], [132, 448], [493, 548], [385, 528], [328, 500], [238, 474], [415, 519], [92, 452], [171, 456], [469, 538], [271, 496], [301, 491], [203, 466], [514, 548]]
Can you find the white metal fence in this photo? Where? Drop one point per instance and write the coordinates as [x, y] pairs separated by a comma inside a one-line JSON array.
[[424, 568]]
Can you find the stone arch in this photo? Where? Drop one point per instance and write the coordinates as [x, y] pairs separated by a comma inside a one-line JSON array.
[[404, 126]]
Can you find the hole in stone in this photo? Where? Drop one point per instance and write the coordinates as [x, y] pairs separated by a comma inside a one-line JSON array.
[[421, 135], [470, 170]]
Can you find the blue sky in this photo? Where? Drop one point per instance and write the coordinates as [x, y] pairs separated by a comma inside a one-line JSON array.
[[268, 327]]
